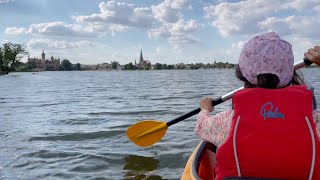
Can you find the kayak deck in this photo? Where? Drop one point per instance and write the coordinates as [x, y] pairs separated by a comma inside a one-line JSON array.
[[201, 163]]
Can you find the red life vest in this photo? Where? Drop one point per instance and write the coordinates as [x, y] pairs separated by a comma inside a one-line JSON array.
[[273, 135]]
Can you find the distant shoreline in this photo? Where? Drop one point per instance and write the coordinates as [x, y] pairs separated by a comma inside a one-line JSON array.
[[151, 69], [88, 70]]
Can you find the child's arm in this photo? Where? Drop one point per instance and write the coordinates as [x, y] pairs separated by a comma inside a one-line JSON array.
[[214, 129]]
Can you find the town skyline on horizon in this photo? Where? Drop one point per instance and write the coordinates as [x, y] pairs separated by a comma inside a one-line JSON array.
[[168, 31], [43, 56]]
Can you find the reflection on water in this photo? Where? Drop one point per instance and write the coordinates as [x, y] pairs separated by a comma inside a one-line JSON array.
[[71, 125], [139, 167]]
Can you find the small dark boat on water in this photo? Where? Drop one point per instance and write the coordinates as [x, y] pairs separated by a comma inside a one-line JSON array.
[[3, 72]]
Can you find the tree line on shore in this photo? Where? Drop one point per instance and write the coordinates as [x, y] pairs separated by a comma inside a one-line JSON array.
[[11, 54], [181, 66], [115, 65], [31, 66]]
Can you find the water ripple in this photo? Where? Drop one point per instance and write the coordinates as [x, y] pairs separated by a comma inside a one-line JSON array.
[[77, 136], [128, 112], [50, 154]]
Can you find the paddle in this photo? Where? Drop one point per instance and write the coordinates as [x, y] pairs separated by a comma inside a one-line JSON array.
[[148, 132]]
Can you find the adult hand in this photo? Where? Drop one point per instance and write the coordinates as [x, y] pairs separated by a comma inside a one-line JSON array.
[[313, 55], [206, 104]]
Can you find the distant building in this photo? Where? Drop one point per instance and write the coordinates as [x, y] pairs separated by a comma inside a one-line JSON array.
[[45, 65], [142, 62]]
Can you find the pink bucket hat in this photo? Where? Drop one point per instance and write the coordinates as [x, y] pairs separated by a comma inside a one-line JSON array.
[[267, 54]]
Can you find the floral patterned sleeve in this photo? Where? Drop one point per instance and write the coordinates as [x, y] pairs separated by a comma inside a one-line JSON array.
[[214, 129], [316, 118]]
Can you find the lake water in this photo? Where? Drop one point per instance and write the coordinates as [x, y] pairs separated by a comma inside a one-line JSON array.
[[71, 125]]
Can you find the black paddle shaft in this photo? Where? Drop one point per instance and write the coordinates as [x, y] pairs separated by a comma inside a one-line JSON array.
[[228, 96], [192, 113]]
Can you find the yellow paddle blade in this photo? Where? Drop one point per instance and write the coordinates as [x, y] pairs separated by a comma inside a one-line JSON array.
[[147, 132]]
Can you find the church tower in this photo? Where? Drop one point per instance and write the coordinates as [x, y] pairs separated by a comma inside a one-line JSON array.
[[141, 57], [43, 56], [43, 61]]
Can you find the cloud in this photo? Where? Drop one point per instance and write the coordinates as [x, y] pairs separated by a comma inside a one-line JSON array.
[[169, 11], [301, 45], [179, 40], [302, 5], [4, 1], [172, 25], [240, 17], [54, 44], [171, 29], [120, 14], [179, 33], [238, 46], [235, 50], [299, 25], [55, 29], [252, 16], [15, 31], [157, 51], [60, 29]]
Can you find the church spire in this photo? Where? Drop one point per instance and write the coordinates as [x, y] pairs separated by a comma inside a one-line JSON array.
[[43, 56], [141, 57]]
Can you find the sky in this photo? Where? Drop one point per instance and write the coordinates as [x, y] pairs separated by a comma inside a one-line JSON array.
[[167, 31]]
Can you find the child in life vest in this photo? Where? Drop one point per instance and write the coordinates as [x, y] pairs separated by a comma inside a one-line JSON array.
[[266, 61]]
